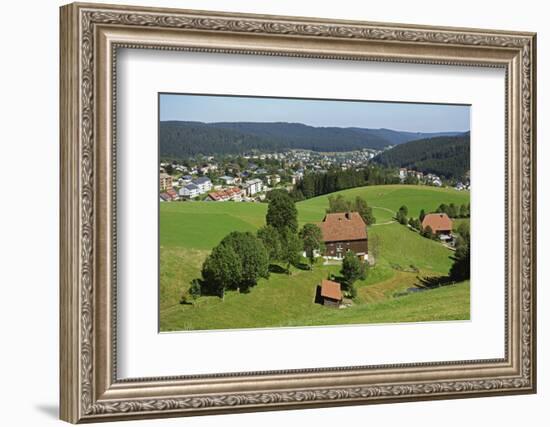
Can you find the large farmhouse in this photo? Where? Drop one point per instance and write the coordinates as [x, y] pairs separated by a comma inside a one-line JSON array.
[[342, 232], [440, 223]]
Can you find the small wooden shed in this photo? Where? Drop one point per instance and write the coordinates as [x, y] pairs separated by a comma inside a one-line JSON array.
[[331, 293]]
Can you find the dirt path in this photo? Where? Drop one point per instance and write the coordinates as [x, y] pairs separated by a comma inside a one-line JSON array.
[[387, 210]]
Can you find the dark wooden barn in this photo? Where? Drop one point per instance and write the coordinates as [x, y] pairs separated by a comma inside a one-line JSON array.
[[342, 232]]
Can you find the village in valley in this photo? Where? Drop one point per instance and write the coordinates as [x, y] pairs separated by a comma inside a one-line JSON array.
[[340, 242], [251, 176], [273, 223]]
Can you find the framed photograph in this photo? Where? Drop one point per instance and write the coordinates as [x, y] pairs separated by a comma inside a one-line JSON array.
[[266, 212]]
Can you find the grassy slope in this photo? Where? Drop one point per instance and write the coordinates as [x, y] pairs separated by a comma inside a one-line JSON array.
[[201, 225], [189, 230], [392, 197]]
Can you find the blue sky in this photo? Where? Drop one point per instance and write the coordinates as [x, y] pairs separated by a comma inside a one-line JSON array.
[[391, 115]]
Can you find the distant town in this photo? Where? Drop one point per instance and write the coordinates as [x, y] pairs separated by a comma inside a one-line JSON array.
[[251, 176], [329, 212]]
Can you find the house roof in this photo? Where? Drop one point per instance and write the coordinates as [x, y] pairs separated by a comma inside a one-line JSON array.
[[191, 187], [343, 226], [437, 222], [330, 289], [253, 181], [202, 180], [225, 194]]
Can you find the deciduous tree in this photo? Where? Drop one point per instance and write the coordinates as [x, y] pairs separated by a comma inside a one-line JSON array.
[[272, 242], [364, 210], [338, 204], [428, 232], [352, 269], [312, 240], [460, 270], [252, 256], [282, 212], [222, 270], [291, 248], [195, 289], [422, 215]]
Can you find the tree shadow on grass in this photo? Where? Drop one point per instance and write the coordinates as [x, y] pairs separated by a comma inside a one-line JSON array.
[[303, 266], [206, 290], [339, 279], [434, 282], [277, 269]]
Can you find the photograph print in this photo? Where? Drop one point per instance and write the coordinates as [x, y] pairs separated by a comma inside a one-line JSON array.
[[287, 212]]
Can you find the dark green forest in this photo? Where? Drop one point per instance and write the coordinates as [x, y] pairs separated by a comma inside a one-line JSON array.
[[317, 184], [446, 156], [179, 139]]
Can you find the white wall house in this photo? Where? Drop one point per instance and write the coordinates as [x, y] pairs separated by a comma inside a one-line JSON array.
[[253, 186], [189, 191], [227, 180], [185, 179], [203, 183]]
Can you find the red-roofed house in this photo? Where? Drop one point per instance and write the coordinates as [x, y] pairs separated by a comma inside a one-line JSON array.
[[440, 223], [342, 232], [225, 195], [172, 193]]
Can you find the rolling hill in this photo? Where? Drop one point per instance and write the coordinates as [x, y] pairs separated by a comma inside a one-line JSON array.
[[447, 156], [181, 139], [189, 230]]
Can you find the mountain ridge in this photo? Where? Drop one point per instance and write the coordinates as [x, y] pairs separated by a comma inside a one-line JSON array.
[[180, 139], [447, 155]]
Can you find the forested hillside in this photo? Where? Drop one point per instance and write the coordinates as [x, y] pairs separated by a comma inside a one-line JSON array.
[[179, 139], [447, 156]]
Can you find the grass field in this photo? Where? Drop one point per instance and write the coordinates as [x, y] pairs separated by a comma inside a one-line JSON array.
[[189, 230]]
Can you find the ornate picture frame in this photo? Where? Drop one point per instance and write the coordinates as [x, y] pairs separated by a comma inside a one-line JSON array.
[[90, 37]]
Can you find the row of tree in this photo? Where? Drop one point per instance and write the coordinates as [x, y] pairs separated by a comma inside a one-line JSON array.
[[316, 184], [460, 270], [340, 204], [454, 211]]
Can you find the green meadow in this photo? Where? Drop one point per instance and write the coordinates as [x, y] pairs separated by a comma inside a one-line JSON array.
[[189, 230]]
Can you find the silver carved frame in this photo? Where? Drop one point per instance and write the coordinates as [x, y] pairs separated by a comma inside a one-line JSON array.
[[90, 36]]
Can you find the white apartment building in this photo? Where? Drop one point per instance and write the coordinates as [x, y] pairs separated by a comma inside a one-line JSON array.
[[253, 186]]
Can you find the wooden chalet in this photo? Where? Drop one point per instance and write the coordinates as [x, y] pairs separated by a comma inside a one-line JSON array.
[[342, 232], [440, 223]]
